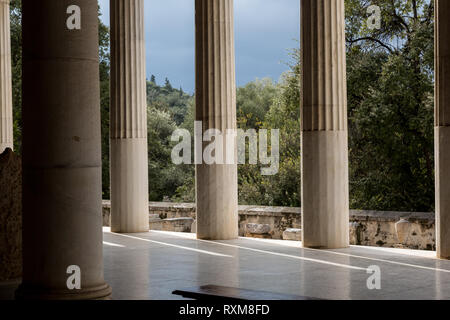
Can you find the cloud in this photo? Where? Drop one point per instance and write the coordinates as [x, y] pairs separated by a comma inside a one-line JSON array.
[[264, 30]]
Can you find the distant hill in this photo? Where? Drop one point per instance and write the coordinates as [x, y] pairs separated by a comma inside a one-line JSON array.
[[167, 98]]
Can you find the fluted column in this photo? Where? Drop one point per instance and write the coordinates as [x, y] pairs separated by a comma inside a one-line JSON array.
[[62, 186], [216, 184], [6, 115], [129, 157], [325, 191], [442, 127]]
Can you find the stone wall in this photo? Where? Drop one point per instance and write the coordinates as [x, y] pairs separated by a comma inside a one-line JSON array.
[[414, 230], [368, 228], [10, 216]]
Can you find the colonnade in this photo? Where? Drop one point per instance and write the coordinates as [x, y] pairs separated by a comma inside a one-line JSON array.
[[62, 219]]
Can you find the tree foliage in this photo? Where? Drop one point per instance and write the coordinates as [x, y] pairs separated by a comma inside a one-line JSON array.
[[16, 70], [390, 91]]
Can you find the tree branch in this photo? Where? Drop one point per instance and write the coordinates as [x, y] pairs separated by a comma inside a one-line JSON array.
[[352, 41]]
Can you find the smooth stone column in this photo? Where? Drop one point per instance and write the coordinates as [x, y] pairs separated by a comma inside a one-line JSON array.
[[62, 186], [6, 114], [129, 157], [216, 184], [324, 139], [442, 127]]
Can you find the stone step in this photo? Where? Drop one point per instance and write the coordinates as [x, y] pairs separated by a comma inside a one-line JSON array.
[[256, 230], [172, 225], [292, 234]]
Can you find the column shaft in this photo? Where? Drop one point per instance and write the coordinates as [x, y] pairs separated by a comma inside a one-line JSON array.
[[216, 184], [325, 192], [6, 115], [442, 128], [62, 213], [129, 156]]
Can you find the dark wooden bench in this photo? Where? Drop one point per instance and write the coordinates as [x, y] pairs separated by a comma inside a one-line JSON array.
[[218, 293]]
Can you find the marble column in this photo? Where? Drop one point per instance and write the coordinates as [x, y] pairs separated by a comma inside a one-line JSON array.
[[62, 186], [324, 139], [216, 184], [442, 127], [129, 157], [6, 115]]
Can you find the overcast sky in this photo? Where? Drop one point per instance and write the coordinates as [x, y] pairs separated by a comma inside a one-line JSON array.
[[264, 31]]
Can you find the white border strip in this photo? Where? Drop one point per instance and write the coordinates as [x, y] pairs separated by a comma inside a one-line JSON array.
[[173, 245]]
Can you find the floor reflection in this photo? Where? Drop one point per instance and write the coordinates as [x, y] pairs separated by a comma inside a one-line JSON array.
[[154, 264]]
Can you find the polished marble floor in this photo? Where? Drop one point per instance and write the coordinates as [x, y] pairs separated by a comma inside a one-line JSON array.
[[152, 265]]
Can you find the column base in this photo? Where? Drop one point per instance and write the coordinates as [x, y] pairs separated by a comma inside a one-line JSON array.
[[129, 186], [217, 202], [26, 292], [325, 191]]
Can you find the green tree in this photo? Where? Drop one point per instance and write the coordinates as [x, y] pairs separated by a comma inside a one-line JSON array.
[[283, 113], [167, 85], [104, 59], [164, 176], [16, 70], [390, 90], [253, 101]]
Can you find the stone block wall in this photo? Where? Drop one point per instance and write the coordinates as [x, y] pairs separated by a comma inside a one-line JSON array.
[[375, 228], [278, 218], [368, 228]]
